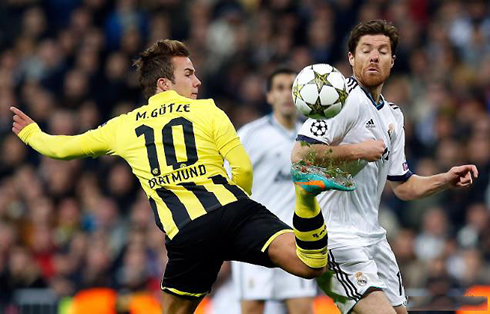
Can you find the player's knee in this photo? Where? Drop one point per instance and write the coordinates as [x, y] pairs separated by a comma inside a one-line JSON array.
[[383, 310], [311, 273], [401, 310]]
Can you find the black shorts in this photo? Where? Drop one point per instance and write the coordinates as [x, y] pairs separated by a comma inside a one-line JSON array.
[[239, 231]]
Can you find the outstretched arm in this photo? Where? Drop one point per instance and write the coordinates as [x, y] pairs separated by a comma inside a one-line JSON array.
[[324, 155], [419, 187], [92, 143]]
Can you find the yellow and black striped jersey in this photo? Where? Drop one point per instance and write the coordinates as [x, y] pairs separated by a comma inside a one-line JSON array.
[[174, 145]]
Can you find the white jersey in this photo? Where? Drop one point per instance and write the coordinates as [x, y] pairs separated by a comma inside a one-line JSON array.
[[352, 217], [269, 146]]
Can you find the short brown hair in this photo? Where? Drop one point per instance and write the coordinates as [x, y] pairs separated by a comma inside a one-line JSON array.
[[373, 27], [156, 62], [278, 71]]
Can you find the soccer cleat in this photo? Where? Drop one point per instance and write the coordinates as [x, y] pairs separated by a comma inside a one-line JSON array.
[[315, 180]]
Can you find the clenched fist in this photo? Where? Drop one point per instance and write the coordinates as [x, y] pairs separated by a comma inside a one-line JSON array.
[[372, 150]]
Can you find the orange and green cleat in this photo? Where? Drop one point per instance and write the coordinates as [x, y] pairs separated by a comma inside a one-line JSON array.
[[314, 179]]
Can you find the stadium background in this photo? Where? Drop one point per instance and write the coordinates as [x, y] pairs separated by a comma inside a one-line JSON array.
[[70, 226]]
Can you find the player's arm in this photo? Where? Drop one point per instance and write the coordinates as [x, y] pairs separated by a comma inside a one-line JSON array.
[[91, 143], [407, 186], [324, 155], [241, 168], [318, 140], [422, 186], [230, 147]]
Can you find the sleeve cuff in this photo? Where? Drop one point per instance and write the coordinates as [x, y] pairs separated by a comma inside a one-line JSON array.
[[28, 131], [401, 178], [309, 140]]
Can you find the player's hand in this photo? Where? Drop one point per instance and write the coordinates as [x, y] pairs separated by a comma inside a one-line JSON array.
[[462, 176], [372, 150], [21, 120]]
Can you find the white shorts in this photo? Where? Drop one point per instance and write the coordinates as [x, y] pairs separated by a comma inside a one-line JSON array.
[[261, 283], [358, 269]]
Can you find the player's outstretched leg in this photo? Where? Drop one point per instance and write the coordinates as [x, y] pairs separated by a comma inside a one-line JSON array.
[[310, 230], [309, 226]]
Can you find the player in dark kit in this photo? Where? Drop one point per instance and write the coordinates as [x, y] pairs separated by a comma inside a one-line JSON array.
[[176, 146]]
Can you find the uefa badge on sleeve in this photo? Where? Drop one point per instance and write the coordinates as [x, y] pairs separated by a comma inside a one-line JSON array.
[[405, 166], [318, 128]]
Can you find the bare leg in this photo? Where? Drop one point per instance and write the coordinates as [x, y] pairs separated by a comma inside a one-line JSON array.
[[175, 305], [300, 305], [374, 302], [252, 307], [401, 309], [282, 252]]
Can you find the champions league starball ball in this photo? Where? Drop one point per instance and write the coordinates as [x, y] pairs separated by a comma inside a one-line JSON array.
[[319, 91]]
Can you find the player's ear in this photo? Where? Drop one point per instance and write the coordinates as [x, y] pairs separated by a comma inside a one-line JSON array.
[[163, 84], [393, 60], [351, 59]]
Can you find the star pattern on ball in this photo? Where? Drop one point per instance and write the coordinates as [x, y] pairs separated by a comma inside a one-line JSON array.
[[317, 106], [296, 91], [342, 94], [319, 80]]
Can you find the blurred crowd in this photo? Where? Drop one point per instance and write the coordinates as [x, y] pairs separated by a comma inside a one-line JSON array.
[[68, 64]]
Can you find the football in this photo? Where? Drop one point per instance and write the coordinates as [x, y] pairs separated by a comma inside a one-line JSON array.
[[319, 91]]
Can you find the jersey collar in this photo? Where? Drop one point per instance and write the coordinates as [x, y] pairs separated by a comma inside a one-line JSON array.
[[288, 133], [378, 105], [157, 98]]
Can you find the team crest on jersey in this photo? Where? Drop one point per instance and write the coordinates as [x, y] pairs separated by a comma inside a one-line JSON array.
[[391, 129], [319, 128], [361, 279]]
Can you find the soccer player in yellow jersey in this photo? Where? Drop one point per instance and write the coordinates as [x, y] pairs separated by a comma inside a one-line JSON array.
[[176, 145]]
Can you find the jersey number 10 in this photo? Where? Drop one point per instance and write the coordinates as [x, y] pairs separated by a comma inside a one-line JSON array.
[[168, 144]]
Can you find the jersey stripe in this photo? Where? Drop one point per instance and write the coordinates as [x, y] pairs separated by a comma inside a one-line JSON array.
[[179, 213], [154, 208], [235, 190], [392, 105], [170, 141], [401, 178], [223, 195], [303, 138], [351, 84], [208, 200]]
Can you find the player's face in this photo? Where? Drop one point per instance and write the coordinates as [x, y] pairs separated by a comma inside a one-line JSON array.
[[185, 82], [372, 60], [279, 97]]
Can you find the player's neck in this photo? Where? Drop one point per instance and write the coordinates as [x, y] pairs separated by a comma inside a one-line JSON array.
[[288, 122], [375, 91]]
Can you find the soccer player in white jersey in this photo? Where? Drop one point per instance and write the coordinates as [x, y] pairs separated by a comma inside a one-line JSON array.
[[369, 128], [269, 141]]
